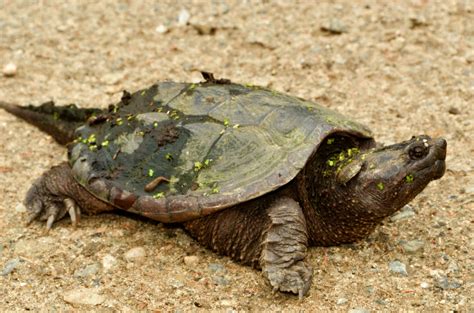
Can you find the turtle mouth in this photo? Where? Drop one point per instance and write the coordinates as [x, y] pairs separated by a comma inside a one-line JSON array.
[[439, 169], [433, 165]]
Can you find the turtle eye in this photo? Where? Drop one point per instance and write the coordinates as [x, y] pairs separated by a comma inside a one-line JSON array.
[[418, 151]]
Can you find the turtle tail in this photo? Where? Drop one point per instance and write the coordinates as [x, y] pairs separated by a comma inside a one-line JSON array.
[[59, 122]]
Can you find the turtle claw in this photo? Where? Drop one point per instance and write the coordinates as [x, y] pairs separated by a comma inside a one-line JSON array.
[[50, 210], [49, 222], [295, 278], [74, 211]]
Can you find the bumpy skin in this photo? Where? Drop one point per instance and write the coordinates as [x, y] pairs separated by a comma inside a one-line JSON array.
[[268, 233]]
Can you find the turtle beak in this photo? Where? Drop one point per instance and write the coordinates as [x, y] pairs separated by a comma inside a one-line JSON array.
[[439, 149]]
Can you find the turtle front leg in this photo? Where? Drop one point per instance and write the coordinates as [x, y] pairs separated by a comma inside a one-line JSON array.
[[57, 193], [284, 248], [268, 233]]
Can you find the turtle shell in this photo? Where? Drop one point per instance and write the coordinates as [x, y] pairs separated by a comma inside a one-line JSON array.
[[178, 151]]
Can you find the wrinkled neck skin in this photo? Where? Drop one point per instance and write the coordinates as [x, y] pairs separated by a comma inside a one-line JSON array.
[[350, 185], [334, 214]]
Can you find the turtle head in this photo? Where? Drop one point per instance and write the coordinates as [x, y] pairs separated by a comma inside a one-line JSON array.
[[386, 178]]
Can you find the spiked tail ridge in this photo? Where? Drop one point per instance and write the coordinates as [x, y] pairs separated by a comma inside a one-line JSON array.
[[57, 121]]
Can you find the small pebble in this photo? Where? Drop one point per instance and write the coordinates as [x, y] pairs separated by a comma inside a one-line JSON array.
[[9, 69], [112, 78], [454, 111], [161, 29], [20, 208], [418, 21], [453, 267], [469, 190], [86, 296], [358, 310], [10, 266], [215, 267], [227, 302], [335, 27], [406, 212], [221, 280], [175, 283], [136, 254], [341, 301], [440, 224], [191, 260], [370, 289], [413, 246], [398, 267], [183, 17], [89, 270], [108, 262], [425, 285], [205, 29], [444, 283]]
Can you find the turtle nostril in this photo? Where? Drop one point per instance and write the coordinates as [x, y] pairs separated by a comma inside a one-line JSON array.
[[418, 151]]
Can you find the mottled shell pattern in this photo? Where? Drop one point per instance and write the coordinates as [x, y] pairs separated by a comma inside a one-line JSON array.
[[178, 151]]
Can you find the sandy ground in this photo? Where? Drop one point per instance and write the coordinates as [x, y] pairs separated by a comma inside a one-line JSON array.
[[401, 67]]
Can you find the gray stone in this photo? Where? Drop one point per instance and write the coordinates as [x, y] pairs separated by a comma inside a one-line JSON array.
[[412, 246], [453, 267], [108, 262], [444, 283], [398, 267], [20, 208], [221, 280], [87, 296], [215, 267], [87, 271], [10, 266], [405, 213], [136, 254]]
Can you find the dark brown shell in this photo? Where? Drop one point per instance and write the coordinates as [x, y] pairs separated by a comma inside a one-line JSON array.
[[176, 151]]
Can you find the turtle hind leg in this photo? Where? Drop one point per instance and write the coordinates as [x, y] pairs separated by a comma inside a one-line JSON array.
[[56, 193]]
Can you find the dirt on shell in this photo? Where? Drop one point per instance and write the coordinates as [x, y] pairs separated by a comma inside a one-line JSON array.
[[401, 67]]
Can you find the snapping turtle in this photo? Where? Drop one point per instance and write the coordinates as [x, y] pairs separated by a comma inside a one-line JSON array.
[[251, 173]]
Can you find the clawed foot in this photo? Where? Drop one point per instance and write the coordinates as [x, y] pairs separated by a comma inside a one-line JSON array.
[[53, 211], [47, 200], [296, 279]]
